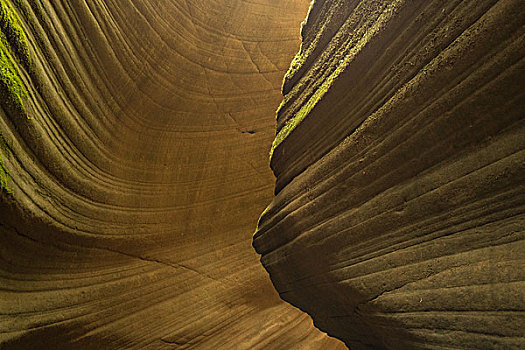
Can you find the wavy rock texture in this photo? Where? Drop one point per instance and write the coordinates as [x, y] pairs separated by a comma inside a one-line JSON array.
[[399, 209], [135, 136]]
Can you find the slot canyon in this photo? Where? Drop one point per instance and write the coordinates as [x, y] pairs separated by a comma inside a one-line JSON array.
[[262, 174]]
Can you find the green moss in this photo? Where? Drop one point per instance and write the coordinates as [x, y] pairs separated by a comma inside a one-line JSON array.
[[9, 76], [14, 51], [13, 44], [366, 36], [296, 64], [305, 110], [12, 28]]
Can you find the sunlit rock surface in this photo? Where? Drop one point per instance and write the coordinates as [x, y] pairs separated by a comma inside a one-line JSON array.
[[398, 217], [135, 139]]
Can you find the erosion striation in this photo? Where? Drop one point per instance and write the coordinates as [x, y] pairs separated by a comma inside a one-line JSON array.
[[398, 216], [133, 168]]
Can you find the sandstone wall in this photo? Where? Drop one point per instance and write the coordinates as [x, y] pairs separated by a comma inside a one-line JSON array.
[[398, 215], [134, 166]]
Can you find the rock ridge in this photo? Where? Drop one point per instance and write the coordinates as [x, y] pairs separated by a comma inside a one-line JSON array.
[[397, 220]]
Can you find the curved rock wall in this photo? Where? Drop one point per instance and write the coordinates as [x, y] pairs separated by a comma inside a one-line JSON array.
[[135, 136], [398, 215]]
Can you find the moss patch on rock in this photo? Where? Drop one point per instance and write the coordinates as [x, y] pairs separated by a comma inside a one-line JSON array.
[[14, 54], [365, 37], [12, 28], [13, 45]]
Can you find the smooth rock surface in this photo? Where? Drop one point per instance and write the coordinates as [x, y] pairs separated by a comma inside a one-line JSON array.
[[398, 217], [135, 138]]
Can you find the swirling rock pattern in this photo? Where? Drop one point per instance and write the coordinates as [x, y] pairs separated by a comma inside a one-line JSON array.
[[398, 218], [135, 136]]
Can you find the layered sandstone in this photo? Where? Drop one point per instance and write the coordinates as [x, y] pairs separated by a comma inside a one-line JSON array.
[[135, 136], [398, 215]]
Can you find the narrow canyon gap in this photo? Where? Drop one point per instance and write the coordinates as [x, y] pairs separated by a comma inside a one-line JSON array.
[[134, 166], [135, 140]]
